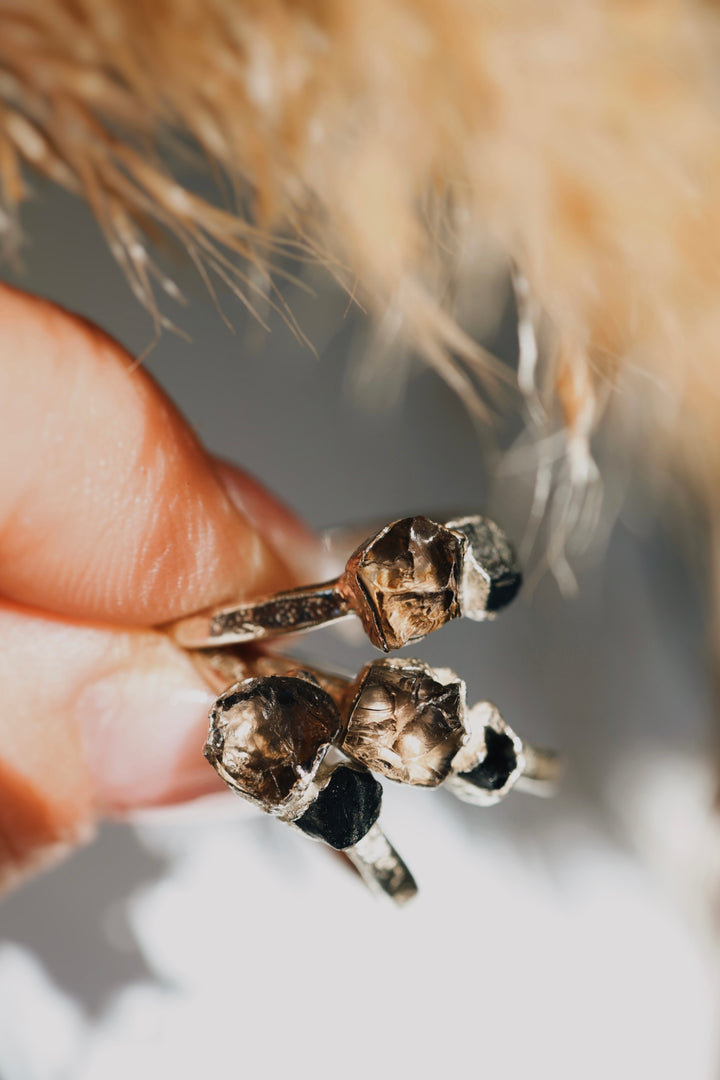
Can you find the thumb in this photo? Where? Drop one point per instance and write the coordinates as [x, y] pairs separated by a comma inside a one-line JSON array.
[[110, 509], [112, 518]]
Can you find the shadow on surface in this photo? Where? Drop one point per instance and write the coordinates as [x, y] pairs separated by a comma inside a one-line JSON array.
[[74, 919]]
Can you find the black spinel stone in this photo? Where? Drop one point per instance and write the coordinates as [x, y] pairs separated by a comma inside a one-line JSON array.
[[499, 762], [345, 810], [503, 590]]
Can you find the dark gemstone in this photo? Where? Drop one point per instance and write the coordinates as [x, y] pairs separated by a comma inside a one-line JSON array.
[[345, 810], [268, 734], [497, 766], [406, 724], [503, 590], [406, 580], [491, 576]]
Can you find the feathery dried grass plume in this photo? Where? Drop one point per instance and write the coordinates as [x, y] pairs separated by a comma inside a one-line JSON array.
[[577, 142]]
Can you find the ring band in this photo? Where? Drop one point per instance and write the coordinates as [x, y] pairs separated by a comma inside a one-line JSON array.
[[407, 580], [381, 868]]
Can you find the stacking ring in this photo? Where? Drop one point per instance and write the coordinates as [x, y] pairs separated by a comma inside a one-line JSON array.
[[275, 740], [303, 744], [406, 581]]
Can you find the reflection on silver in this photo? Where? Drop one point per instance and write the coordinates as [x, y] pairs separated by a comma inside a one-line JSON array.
[[381, 868]]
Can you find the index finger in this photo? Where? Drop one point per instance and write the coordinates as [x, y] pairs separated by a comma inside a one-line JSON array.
[[110, 509]]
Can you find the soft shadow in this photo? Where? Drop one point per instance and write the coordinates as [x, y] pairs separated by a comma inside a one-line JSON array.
[[74, 920]]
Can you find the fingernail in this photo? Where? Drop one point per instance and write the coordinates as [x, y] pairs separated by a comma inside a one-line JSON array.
[[143, 733]]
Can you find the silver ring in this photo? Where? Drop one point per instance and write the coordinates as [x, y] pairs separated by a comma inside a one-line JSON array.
[[406, 581], [277, 741], [303, 744]]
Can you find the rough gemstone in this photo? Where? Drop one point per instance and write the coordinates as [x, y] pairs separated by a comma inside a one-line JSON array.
[[405, 723], [492, 760], [345, 810], [490, 576], [268, 736], [405, 581], [498, 765]]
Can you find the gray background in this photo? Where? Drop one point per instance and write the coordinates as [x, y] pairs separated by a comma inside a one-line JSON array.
[[622, 666]]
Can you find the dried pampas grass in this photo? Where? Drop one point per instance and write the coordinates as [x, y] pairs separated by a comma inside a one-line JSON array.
[[393, 139]]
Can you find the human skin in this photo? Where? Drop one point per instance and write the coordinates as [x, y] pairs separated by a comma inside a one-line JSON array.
[[113, 520]]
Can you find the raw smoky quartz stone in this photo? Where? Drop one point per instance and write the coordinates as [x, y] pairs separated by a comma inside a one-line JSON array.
[[268, 736], [405, 723], [345, 810], [405, 581], [490, 576]]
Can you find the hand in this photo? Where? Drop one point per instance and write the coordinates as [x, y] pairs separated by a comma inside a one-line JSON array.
[[113, 519]]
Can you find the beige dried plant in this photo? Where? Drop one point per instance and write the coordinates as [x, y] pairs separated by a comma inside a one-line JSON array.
[[574, 143]]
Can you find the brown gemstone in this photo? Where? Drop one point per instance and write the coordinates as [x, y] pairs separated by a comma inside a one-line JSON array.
[[405, 581], [405, 723], [269, 734]]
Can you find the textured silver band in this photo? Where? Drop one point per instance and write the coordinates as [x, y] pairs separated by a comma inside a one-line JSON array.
[[270, 616], [381, 868]]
